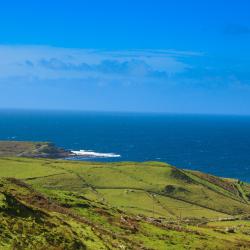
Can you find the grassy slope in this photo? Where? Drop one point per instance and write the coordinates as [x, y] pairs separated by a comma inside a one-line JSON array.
[[78, 205]]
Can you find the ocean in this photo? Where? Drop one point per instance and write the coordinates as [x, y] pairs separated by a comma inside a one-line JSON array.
[[219, 145]]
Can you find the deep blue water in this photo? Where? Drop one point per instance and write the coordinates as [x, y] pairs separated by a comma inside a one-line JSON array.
[[215, 144]]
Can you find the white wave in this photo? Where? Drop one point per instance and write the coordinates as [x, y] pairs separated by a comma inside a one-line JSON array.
[[89, 153]]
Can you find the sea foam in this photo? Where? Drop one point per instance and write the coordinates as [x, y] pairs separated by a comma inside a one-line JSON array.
[[89, 153]]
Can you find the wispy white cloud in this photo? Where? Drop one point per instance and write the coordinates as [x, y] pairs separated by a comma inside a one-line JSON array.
[[45, 62]]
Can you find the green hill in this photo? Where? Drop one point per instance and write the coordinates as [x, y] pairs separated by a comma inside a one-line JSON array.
[[57, 204]]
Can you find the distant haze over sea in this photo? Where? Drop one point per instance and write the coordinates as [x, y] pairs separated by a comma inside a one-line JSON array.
[[218, 145]]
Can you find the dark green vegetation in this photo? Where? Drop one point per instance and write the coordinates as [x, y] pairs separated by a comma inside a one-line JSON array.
[[56, 204], [31, 149]]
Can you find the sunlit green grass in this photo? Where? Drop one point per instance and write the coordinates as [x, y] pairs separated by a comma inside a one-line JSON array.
[[25, 168], [166, 208], [121, 184]]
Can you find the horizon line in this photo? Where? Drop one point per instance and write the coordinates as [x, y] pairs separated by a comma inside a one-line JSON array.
[[120, 111]]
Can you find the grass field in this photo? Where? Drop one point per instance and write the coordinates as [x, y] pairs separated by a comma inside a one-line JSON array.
[[58, 204], [147, 184]]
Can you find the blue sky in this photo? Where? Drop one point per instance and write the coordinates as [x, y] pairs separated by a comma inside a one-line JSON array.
[[152, 56]]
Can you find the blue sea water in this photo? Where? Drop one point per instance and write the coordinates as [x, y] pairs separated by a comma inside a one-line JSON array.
[[218, 145]]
